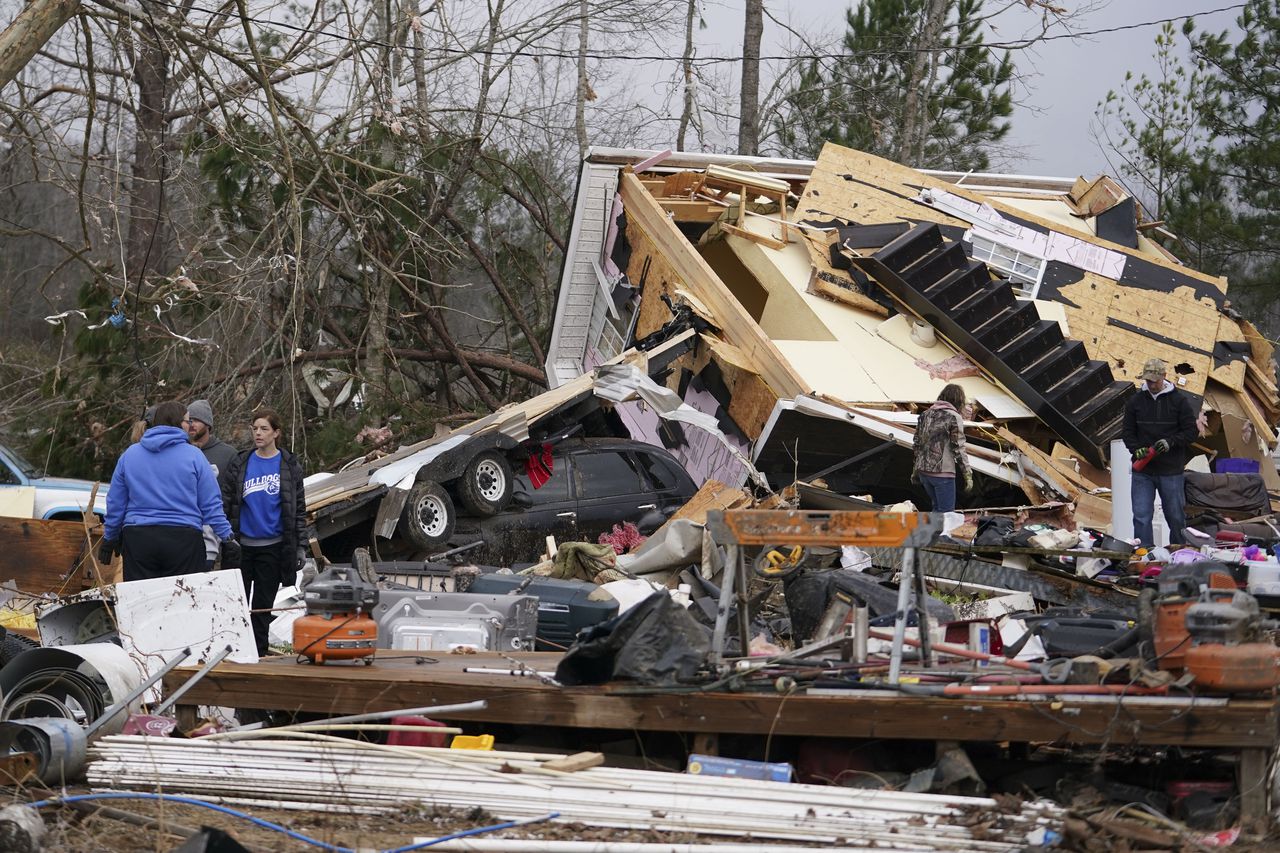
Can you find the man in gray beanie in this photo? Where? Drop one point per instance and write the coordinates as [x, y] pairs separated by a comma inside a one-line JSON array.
[[200, 433], [220, 456]]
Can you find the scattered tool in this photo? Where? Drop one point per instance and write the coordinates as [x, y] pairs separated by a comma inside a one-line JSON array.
[[337, 625], [776, 562]]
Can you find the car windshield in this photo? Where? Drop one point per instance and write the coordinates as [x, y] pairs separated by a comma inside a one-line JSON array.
[[27, 469]]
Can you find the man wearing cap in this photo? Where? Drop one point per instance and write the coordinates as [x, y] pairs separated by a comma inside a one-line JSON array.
[[220, 456], [200, 432], [1159, 418]]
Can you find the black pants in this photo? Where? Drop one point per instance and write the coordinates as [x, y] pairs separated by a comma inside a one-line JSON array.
[[263, 569], [161, 551]]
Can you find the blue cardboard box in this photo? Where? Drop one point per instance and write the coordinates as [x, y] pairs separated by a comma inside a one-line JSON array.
[[715, 765]]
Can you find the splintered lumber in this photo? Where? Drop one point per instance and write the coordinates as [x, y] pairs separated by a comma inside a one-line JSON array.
[[574, 763], [713, 495], [696, 275]]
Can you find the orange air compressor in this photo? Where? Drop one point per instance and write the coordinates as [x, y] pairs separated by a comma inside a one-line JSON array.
[[337, 625]]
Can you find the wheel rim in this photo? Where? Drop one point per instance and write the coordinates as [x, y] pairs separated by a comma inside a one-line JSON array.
[[491, 480], [433, 515]]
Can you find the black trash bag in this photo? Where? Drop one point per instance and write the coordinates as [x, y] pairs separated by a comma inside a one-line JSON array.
[[656, 643], [992, 529]]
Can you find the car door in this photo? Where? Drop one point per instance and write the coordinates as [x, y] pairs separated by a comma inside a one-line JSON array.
[[670, 487], [519, 532], [610, 491]]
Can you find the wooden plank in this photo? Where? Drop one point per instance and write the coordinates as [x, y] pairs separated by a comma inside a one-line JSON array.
[[691, 210], [713, 495], [1253, 782], [45, 556], [396, 681], [736, 325], [574, 763]]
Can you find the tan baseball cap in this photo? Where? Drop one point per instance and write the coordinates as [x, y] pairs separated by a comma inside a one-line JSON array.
[[1154, 369]]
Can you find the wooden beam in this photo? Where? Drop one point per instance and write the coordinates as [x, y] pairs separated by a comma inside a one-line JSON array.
[[397, 681], [736, 325], [692, 210]]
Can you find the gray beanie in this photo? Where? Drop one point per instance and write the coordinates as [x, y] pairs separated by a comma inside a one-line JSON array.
[[201, 411]]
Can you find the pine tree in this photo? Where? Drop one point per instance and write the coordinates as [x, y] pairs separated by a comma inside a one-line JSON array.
[[914, 83], [1242, 110]]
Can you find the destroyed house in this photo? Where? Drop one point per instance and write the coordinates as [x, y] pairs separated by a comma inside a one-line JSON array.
[[833, 300]]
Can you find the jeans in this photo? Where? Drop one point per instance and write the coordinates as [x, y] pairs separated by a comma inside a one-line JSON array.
[[1172, 498], [941, 492], [262, 568]]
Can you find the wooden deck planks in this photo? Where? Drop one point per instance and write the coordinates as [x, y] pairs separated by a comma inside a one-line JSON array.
[[396, 681]]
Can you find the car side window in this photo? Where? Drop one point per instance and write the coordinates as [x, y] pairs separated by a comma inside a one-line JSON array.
[[7, 475], [605, 474], [660, 470], [553, 490]]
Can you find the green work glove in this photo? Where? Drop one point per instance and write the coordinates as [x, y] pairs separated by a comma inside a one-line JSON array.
[[1162, 446], [968, 480], [1140, 453]]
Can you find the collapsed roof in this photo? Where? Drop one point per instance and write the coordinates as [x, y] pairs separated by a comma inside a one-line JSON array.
[[847, 291]]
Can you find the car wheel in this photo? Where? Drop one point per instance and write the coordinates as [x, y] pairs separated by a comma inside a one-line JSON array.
[[428, 515], [486, 484]]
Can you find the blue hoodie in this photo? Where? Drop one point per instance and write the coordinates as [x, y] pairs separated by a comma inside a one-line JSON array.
[[165, 480]]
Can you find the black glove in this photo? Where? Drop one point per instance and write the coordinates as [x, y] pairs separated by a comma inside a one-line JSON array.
[[1162, 446], [230, 554], [107, 550], [1140, 453], [302, 558]]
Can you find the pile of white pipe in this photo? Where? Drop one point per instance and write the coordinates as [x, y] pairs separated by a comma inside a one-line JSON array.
[[317, 772]]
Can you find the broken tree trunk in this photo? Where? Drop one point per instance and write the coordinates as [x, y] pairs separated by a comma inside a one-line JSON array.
[[23, 38]]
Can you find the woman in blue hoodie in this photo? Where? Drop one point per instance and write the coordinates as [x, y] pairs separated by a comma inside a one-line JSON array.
[[162, 492]]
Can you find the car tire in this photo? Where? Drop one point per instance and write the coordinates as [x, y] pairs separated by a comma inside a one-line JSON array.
[[13, 645], [486, 484], [428, 515]]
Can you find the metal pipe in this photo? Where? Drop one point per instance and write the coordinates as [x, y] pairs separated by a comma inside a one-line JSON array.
[[191, 682], [861, 625], [478, 705], [146, 685], [900, 619]]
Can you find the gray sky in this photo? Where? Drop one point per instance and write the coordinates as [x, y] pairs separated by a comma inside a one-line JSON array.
[[1052, 130]]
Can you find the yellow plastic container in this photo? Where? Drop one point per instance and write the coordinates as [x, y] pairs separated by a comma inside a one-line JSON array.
[[472, 742]]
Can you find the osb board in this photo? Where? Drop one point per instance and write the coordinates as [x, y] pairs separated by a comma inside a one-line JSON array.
[[1261, 348], [688, 268], [1232, 373], [862, 188], [1175, 320], [751, 402], [713, 495]]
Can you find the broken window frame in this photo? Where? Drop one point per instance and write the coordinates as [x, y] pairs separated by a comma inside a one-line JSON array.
[[1024, 270]]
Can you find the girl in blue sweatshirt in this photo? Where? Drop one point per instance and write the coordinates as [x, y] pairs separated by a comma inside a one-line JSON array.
[[267, 507]]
